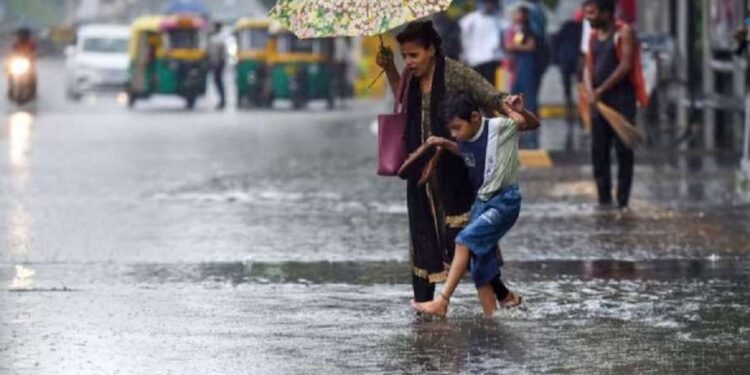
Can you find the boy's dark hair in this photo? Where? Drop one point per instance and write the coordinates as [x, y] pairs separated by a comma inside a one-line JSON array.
[[606, 6], [459, 105], [421, 32]]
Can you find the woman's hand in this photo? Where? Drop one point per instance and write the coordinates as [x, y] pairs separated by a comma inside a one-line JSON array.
[[385, 59], [516, 102]]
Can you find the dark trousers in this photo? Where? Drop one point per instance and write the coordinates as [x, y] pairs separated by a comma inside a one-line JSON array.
[[424, 290], [602, 138], [218, 73], [487, 70]]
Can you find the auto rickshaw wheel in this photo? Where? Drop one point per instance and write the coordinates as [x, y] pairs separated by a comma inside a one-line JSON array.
[[266, 101], [299, 102], [241, 101], [190, 102], [131, 100], [73, 96]]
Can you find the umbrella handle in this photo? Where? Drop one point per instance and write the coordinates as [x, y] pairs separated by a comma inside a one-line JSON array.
[[376, 79], [382, 47]]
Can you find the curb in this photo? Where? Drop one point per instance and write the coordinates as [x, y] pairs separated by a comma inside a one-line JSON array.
[[552, 111]]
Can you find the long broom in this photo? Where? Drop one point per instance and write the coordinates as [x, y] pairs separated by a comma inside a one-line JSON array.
[[628, 134], [584, 110]]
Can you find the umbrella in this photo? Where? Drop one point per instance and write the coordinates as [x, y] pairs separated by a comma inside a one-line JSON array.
[[186, 7], [331, 18]]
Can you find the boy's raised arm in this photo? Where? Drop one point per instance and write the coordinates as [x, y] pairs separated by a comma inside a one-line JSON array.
[[514, 109]]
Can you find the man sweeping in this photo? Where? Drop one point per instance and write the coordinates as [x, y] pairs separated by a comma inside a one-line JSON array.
[[614, 75]]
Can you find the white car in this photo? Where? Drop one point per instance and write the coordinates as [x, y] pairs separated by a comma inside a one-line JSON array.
[[98, 61]]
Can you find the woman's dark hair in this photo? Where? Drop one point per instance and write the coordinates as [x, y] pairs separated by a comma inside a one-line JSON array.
[[459, 105], [526, 15], [421, 32], [605, 6]]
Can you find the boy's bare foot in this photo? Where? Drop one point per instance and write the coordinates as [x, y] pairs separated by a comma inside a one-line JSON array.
[[512, 300], [436, 307]]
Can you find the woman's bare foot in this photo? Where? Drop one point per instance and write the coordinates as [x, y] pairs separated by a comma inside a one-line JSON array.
[[511, 300], [436, 307]]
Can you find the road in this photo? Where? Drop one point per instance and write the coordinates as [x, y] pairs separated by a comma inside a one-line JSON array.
[[165, 241]]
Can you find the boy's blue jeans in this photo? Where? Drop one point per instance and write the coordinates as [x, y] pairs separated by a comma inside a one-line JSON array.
[[490, 221]]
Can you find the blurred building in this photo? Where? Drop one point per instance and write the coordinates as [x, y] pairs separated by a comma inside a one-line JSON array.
[[715, 78]]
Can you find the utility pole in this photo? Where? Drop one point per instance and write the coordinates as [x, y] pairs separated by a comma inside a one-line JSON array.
[[684, 65], [744, 172], [709, 82]]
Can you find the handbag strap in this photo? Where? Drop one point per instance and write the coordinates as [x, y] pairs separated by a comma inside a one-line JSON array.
[[403, 84]]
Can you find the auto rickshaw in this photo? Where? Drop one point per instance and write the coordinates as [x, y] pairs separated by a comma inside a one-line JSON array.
[[301, 69], [254, 47], [168, 55]]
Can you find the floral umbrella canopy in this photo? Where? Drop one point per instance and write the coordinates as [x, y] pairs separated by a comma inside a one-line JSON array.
[[329, 18]]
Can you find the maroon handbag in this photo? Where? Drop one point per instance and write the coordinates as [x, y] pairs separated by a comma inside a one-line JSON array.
[[391, 130]]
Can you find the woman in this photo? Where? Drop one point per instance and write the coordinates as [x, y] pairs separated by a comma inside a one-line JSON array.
[[439, 209], [521, 44]]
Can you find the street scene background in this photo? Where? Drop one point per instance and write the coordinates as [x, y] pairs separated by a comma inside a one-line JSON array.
[[160, 240]]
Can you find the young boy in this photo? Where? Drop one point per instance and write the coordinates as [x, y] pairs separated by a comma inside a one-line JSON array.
[[489, 148]]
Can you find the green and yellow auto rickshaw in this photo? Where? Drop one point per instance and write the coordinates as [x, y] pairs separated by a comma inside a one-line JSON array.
[[301, 69], [168, 55], [254, 47]]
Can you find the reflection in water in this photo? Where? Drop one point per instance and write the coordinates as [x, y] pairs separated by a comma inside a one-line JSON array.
[[18, 236], [122, 98], [430, 347], [20, 135], [24, 278], [455, 346], [18, 231]]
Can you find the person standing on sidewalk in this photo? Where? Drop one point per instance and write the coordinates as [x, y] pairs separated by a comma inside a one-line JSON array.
[[521, 45], [217, 53], [538, 26], [480, 38], [615, 77]]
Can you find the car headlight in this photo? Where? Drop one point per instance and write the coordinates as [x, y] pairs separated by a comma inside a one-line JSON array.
[[19, 65]]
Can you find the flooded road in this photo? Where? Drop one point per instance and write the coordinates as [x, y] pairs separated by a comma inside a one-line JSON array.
[[581, 317], [163, 241]]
